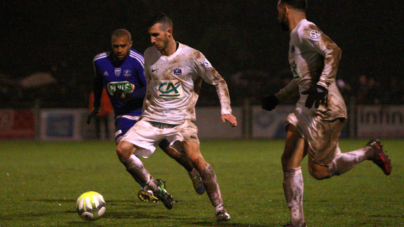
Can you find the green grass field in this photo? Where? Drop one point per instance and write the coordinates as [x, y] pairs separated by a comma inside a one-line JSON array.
[[40, 182]]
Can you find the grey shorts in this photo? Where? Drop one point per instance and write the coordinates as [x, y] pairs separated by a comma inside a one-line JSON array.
[[322, 136]]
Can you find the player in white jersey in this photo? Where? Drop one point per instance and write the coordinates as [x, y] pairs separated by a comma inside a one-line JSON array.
[[121, 71], [315, 125], [174, 74]]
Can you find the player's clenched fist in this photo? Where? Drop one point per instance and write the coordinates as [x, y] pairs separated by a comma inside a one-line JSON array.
[[269, 102]]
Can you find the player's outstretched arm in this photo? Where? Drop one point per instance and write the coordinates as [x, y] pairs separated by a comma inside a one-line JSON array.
[[230, 118]]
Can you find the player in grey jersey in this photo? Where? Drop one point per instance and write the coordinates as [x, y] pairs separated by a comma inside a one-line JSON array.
[[174, 75], [316, 123]]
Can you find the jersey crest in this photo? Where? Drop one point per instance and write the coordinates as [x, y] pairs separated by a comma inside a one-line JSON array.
[[207, 64], [127, 73], [314, 34], [177, 72], [118, 71]]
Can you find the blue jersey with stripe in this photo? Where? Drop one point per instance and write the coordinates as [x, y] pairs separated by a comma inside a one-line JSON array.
[[127, 75]]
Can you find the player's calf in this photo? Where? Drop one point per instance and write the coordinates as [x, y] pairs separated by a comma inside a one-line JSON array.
[[196, 181]]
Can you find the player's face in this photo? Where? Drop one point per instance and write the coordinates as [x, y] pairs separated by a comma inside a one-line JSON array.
[[158, 37], [283, 20], [121, 47]]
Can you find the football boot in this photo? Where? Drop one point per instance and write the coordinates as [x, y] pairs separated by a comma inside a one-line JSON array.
[[380, 158], [162, 194]]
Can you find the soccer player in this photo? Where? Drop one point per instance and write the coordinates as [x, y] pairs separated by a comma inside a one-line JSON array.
[[174, 75], [121, 72], [315, 125]]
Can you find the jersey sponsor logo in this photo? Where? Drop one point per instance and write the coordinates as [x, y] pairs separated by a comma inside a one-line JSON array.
[[293, 67], [126, 86], [314, 34], [177, 72], [106, 73], [169, 88], [292, 49], [127, 73], [118, 71], [207, 64]]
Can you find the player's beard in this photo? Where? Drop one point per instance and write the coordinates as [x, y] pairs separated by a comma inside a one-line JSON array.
[[120, 58], [284, 24]]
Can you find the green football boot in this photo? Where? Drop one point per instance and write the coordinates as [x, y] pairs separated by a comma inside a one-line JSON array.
[[147, 196], [162, 194]]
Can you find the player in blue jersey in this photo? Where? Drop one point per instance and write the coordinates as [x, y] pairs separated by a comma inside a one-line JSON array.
[[121, 72]]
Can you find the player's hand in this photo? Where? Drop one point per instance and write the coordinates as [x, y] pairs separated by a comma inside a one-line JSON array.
[[120, 94], [230, 118], [95, 111], [269, 102], [317, 95]]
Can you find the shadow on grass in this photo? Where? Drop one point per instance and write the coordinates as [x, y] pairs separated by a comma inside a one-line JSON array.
[[133, 214], [230, 223], [52, 200], [26, 216], [138, 215], [83, 223], [164, 215], [109, 202], [71, 200]]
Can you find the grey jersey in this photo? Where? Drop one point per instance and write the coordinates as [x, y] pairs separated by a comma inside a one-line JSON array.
[[174, 83], [314, 59]]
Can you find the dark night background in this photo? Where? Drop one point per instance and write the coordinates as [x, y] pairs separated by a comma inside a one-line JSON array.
[[236, 36]]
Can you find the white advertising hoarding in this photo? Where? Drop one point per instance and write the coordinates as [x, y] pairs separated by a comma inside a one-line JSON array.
[[270, 124], [210, 125], [380, 121], [61, 124]]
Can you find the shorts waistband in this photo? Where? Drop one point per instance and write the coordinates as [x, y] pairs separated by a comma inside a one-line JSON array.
[[161, 125]]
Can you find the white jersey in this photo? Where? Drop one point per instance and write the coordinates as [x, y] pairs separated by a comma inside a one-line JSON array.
[[314, 59], [174, 83]]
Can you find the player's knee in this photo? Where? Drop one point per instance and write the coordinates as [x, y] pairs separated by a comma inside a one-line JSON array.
[[124, 150]]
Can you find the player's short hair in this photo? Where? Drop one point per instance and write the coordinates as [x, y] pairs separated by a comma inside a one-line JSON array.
[[296, 4], [161, 18], [119, 33]]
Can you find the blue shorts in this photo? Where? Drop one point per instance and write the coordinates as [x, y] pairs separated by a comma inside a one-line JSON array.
[[122, 125]]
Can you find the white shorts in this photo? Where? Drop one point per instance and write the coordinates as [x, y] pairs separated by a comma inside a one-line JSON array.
[[322, 136], [147, 135]]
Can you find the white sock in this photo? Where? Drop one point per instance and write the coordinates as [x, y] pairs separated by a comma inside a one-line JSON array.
[[136, 168], [347, 161], [293, 187], [219, 207]]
